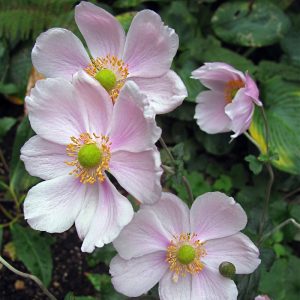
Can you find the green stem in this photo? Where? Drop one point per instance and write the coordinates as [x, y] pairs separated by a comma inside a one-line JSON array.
[[2, 158], [185, 181], [6, 213], [281, 225], [25, 275]]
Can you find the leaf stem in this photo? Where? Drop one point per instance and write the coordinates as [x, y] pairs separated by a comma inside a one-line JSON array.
[[185, 181], [30, 276]]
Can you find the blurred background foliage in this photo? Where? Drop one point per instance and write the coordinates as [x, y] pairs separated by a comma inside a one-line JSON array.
[[261, 37]]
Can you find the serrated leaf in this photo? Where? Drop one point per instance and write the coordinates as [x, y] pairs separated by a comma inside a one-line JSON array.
[[256, 25], [282, 106], [33, 250], [223, 184], [6, 124], [254, 164]]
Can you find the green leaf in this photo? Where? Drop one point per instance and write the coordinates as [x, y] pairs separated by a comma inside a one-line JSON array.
[[8, 89], [282, 106], [101, 255], [71, 296], [223, 184], [254, 164], [6, 124], [20, 180], [290, 44], [33, 249], [125, 19], [258, 25]]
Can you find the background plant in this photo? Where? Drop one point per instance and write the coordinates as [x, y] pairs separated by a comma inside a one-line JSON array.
[[259, 36]]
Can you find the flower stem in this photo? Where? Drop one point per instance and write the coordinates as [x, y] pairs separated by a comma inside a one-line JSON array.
[[26, 275], [281, 225], [185, 181]]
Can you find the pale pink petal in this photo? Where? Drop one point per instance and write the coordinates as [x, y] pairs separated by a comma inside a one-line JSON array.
[[170, 290], [137, 276], [210, 284], [252, 90], [133, 125], [102, 32], [95, 104], [145, 234], [112, 212], [138, 173], [150, 46], [44, 159], [237, 249], [240, 111], [262, 297], [215, 75], [53, 111], [173, 213], [215, 215], [165, 93], [53, 205], [210, 112], [59, 53]]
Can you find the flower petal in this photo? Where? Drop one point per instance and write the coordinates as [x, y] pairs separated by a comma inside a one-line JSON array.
[[137, 276], [215, 75], [165, 93], [237, 249], [102, 32], [180, 290], [54, 204], [210, 112], [240, 111], [150, 46], [94, 102], [53, 112], [173, 213], [59, 53], [215, 215], [138, 173], [133, 125], [252, 90], [210, 284], [145, 234], [44, 159], [112, 213]]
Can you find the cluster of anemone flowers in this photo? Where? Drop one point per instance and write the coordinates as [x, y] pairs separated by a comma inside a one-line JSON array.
[[94, 119]]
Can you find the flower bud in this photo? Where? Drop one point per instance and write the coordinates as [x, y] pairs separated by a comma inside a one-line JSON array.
[[227, 269]]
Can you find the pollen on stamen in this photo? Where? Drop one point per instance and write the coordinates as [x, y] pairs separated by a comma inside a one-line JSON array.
[[114, 64], [231, 88], [192, 267], [89, 174]]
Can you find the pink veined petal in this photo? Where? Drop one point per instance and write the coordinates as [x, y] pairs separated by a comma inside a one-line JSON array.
[[170, 290], [215, 215], [133, 125], [237, 249], [215, 75], [240, 111], [137, 276], [145, 234], [94, 102], [112, 213], [54, 204], [150, 46], [210, 284], [173, 213], [210, 112], [53, 111], [252, 90], [59, 53], [138, 173], [165, 93], [102, 32], [44, 159]]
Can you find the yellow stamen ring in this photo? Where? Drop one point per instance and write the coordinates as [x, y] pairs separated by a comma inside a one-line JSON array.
[[184, 255], [115, 66], [231, 88], [91, 156]]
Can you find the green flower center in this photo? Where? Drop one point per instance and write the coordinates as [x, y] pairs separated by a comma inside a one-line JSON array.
[[186, 254], [107, 78], [89, 156]]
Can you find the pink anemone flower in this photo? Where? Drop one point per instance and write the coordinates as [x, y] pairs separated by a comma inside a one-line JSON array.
[[262, 297], [229, 105], [143, 56], [182, 249], [80, 137]]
